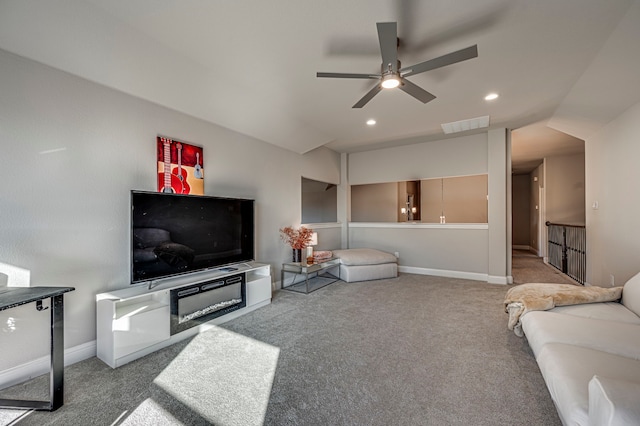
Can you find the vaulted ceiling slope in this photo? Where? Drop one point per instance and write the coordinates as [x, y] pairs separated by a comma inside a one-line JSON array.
[[251, 65]]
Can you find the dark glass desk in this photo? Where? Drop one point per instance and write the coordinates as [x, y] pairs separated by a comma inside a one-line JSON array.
[[11, 297]]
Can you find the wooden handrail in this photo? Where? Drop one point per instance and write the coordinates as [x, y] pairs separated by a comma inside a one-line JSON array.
[[564, 224]]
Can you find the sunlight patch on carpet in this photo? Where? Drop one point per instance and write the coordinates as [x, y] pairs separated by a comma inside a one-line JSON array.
[[224, 377], [148, 412]]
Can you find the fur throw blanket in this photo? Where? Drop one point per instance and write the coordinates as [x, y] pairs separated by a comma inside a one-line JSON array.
[[544, 296]]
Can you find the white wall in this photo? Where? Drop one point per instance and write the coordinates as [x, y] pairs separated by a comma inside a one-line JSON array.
[[72, 151], [613, 235]]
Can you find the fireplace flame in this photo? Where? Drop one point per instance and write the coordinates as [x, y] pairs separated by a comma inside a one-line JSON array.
[[208, 309]]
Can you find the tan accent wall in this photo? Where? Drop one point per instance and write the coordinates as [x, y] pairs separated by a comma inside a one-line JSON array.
[[374, 203], [521, 196], [465, 199]]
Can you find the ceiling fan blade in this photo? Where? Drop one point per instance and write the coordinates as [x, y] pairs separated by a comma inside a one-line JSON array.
[[346, 75], [366, 98], [481, 21], [442, 61], [388, 37], [416, 91]]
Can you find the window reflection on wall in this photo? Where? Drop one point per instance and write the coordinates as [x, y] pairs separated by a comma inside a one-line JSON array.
[[442, 200], [319, 201]]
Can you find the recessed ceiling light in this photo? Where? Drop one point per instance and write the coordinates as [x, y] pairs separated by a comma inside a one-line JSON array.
[[491, 96], [371, 122]]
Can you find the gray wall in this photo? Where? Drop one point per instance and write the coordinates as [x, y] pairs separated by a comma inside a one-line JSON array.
[[319, 201], [432, 249], [479, 250], [461, 156], [73, 150], [613, 238], [536, 226]]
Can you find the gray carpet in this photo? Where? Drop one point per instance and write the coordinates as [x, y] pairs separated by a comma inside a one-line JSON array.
[[528, 268], [416, 350]]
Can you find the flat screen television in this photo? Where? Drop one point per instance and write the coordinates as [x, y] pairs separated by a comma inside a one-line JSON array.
[[173, 234]]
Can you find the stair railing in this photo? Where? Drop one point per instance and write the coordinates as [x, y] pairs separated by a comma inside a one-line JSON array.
[[567, 249]]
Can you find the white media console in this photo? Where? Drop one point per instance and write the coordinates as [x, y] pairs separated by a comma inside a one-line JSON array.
[[136, 321]]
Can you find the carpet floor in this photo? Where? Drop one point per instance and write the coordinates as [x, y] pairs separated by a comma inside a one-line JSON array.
[[528, 268], [415, 350]]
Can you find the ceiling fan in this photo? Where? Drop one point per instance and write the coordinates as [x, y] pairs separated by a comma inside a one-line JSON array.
[[392, 75]]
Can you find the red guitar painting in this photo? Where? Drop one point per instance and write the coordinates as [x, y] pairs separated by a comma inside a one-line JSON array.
[[197, 169], [168, 182], [180, 172], [179, 169]]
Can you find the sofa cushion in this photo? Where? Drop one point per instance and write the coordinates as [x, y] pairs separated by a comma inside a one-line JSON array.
[[529, 297], [631, 294], [613, 402], [614, 337], [567, 370], [364, 256], [609, 311]]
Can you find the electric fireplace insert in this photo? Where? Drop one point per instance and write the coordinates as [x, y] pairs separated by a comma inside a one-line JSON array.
[[196, 304]]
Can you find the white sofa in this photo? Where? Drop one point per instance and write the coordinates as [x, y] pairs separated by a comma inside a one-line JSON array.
[[589, 356]]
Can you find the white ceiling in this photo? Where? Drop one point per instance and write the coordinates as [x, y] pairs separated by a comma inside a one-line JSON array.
[[251, 65]]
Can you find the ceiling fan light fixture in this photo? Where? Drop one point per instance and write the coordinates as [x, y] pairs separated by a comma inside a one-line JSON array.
[[392, 74], [491, 96], [390, 81]]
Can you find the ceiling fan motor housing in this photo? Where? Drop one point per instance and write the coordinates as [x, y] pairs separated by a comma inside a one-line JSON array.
[[389, 69]]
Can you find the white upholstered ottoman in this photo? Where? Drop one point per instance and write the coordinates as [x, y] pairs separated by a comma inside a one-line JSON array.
[[365, 264]]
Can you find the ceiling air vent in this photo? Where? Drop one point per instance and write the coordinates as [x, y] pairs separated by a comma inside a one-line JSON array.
[[464, 125]]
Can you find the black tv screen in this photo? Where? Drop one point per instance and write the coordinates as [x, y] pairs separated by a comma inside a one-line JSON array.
[[174, 234]]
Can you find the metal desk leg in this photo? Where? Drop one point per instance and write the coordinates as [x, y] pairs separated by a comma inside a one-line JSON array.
[[56, 377], [56, 380]]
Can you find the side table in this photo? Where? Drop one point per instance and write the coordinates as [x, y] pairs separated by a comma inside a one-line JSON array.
[[11, 297], [315, 269]]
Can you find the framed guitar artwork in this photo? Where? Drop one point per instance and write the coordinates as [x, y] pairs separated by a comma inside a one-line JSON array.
[[180, 168]]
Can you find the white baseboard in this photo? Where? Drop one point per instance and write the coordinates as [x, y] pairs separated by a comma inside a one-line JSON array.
[[495, 279], [475, 276], [527, 248], [40, 366], [443, 273]]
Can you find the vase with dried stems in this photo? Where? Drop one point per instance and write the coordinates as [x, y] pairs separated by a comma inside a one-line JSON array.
[[298, 239]]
